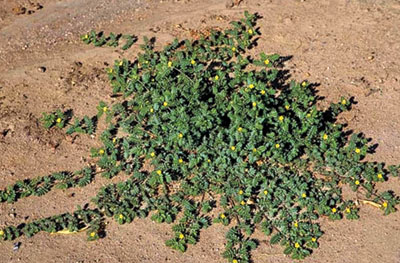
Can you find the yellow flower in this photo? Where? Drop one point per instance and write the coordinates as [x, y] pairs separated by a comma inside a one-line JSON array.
[[58, 120], [295, 224], [265, 192], [308, 115], [181, 236], [357, 150], [266, 62], [325, 137], [380, 176], [254, 150], [304, 195], [180, 161], [233, 148], [180, 135], [333, 210], [254, 104], [86, 36], [105, 109], [222, 216], [233, 49], [262, 92], [92, 234], [120, 63], [110, 70], [240, 192], [152, 154], [209, 161], [344, 102], [277, 146], [114, 140], [287, 107], [240, 129], [216, 78], [169, 64], [159, 172], [281, 118], [251, 86], [151, 110], [357, 182], [250, 31], [165, 104], [1, 232], [304, 84], [193, 62], [313, 239], [242, 202], [385, 204], [101, 151], [296, 245], [235, 261], [348, 210], [121, 216]]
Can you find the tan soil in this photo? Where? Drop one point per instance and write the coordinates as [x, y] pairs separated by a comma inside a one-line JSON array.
[[350, 47]]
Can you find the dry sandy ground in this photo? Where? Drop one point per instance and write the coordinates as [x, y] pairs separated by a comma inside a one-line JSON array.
[[350, 47]]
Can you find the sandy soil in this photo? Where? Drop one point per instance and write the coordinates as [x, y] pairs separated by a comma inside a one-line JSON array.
[[350, 47]]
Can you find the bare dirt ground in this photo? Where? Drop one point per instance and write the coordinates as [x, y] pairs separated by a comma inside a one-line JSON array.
[[350, 47]]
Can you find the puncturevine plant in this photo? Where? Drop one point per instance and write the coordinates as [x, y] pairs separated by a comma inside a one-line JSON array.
[[211, 135]]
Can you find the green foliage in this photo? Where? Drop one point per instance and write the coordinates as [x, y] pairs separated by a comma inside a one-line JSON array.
[[202, 125], [99, 39]]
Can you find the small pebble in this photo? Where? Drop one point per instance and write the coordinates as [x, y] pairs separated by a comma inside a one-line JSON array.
[[42, 69], [16, 246]]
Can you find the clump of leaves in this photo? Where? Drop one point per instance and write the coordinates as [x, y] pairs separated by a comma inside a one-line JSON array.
[[210, 135], [99, 39]]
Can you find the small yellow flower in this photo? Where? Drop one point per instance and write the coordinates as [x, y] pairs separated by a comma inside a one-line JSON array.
[[242, 202], [313, 239], [251, 86], [380, 176], [240, 192], [151, 110], [58, 120], [101, 151], [180, 135], [209, 161], [303, 84], [110, 70], [333, 210], [152, 154], [262, 92], [114, 140], [265, 192], [254, 104], [1, 232], [180, 161], [235, 261], [304, 195], [92, 234], [357, 182], [287, 107], [233, 49], [344, 102], [120, 63], [193, 62], [357, 150], [250, 31], [308, 115], [348, 210], [296, 245], [385, 204], [277, 146], [281, 118], [325, 137], [165, 104], [266, 62], [86, 36], [217, 77], [254, 150], [105, 109], [295, 224], [169, 64], [240, 129], [233, 148], [181, 236], [222, 216], [159, 172], [121, 216]]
